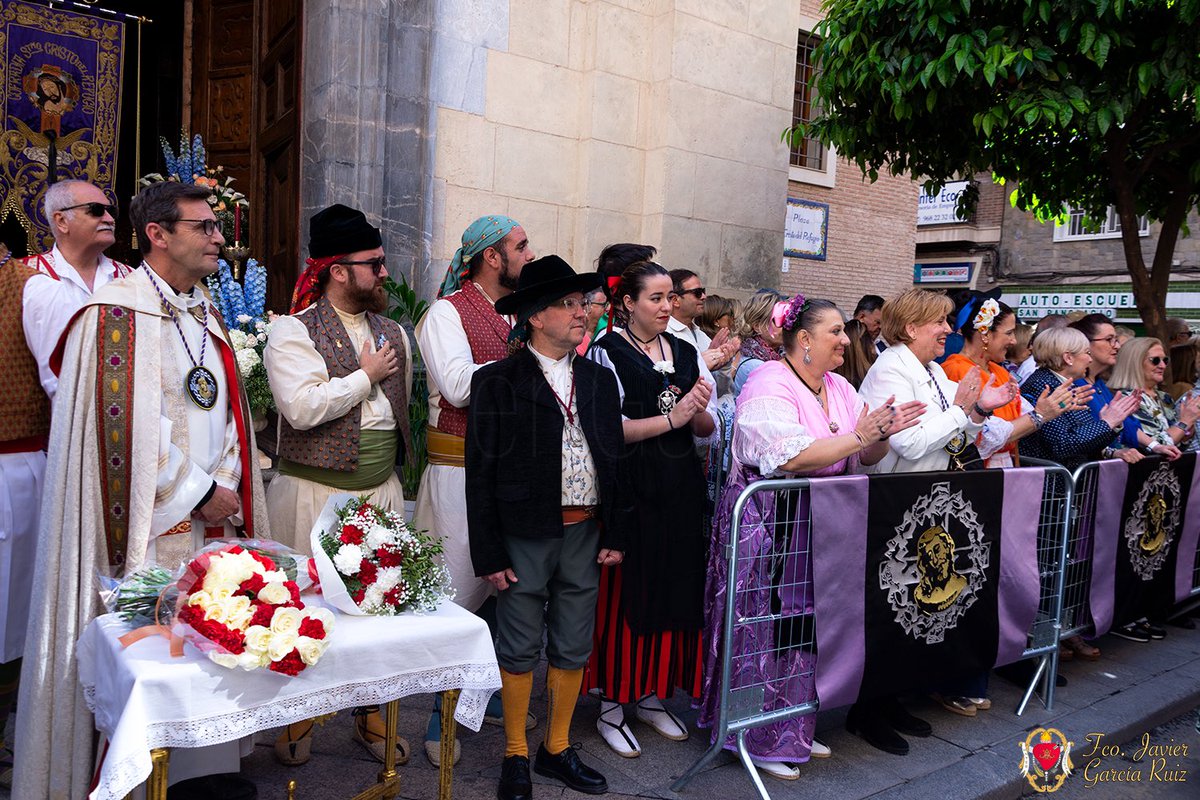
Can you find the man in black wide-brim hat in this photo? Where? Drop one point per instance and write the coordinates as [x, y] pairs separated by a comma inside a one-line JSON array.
[[546, 507]]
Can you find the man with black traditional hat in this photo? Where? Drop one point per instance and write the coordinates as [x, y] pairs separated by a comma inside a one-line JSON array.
[[546, 507], [340, 373]]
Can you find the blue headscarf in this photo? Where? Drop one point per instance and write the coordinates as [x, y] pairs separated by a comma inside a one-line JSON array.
[[479, 235]]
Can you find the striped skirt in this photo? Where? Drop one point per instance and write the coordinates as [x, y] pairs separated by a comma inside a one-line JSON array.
[[626, 666]]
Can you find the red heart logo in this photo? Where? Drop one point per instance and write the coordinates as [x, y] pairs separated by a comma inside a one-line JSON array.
[[1046, 754]]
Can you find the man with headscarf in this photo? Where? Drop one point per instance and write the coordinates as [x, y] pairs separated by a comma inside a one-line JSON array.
[[460, 333], [340, 372], [547, 505]]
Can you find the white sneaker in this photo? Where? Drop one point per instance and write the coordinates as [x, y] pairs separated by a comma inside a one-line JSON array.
[[777, 769], [820, 750], [650, 710], [615, 732]]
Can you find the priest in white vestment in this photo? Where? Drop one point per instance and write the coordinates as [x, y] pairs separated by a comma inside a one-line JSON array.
[[131, 486]]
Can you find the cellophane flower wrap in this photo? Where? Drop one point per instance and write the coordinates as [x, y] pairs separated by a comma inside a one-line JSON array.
[[371, 562], [238, 607]]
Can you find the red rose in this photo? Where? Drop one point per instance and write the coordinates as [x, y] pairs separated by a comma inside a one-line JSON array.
[[366, 572], [291, 664], [252, 585], [312, 628], [352, 534], [388, 557], [262, 614]]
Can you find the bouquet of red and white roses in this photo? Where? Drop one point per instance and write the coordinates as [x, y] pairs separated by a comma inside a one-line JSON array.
[[371, 562], [239, 609]]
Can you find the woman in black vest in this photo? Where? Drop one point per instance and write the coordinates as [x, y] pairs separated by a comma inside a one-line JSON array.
[[651, 608]]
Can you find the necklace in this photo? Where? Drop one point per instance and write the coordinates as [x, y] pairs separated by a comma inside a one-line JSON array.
[[573, 430], [669, 394], [833, 426], [200, 383]]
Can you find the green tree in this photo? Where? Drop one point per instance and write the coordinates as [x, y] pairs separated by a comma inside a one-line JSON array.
[[1081, 103]]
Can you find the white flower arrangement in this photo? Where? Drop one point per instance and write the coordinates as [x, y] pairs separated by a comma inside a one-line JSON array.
[[665, 367], [986, 316]]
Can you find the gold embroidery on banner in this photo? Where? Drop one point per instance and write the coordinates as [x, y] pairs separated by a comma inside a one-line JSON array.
[[114, 396]]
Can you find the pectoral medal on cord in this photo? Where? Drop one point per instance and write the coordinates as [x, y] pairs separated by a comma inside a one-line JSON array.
[[200, 384], [958, 445]]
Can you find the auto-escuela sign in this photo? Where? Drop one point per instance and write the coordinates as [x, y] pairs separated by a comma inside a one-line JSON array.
[[1033, 305]]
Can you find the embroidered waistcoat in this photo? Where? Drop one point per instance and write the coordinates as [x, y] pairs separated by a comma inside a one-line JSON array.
[[487, 334], [334, 444], [24, 407]]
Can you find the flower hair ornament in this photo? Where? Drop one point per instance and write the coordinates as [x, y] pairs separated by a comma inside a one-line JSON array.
[[786, 313], [987, 316]]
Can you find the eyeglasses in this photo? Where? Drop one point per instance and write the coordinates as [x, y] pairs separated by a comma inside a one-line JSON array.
[[1109, 339], [96, 210], [697, 293], [573, 305], [205, 226], [377, 265], [1156, 360]]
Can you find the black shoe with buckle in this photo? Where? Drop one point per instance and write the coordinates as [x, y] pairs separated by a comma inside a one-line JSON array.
[[514, 779], [567, 767], [904, 722]]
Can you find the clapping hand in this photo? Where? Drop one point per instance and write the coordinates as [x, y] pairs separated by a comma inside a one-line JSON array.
[[969, 388], [1119, 408], [992, 396], [691, 404], [874, 426], [1189, 410], [1063, 398]]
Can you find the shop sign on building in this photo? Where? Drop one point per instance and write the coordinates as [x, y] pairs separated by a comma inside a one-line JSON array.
[[1035, 305], [948, 272], [806, 229], [940, 208]]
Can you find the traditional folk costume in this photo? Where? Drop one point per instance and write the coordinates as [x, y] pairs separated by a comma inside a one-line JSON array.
[[125, 486], [460, 333], [337, 431], [54, 309], [544, 495]]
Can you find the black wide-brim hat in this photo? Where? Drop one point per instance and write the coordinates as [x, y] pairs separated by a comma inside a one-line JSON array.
[[338, 230], [546, 279]]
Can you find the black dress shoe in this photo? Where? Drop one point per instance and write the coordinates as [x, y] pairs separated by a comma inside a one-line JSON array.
[[514, 779], [875, 731], [567, 768], [904, 722]]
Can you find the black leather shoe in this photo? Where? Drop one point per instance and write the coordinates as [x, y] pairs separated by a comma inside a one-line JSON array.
[[567, 767], [514, 779], [904, 722], [875, 731]]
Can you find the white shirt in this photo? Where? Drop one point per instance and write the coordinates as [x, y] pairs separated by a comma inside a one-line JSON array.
[[305, 394], [1025, 369], [449, 364], [50, 304], [578, 466], [920, 448], [690, 334]]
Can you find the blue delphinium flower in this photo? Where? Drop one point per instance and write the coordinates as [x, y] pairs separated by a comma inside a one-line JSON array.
[[234, 302], [255, 283], [199, 157]]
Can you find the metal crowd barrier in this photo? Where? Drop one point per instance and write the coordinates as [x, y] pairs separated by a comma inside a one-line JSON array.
[[768, 651]]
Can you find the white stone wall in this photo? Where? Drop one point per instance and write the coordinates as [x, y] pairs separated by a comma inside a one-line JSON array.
[[595, 121]]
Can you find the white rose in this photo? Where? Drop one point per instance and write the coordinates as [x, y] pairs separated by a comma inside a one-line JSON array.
[[220, 591], [310, 649], [274, 575], [258, 638], [200, 598], [286, 620], [226, 660], [238, 612], [274, 593], [348, 559], [215, 611], [282, 644], [252, 660], [243, 318], [251, 340]]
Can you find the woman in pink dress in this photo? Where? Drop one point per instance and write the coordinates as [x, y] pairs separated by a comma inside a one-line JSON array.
[[795, 416]]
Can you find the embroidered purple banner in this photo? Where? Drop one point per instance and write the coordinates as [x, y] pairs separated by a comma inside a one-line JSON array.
[[1019, 581], [61, 73], [1110, 495]]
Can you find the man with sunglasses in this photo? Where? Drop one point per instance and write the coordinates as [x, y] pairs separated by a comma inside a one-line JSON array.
[[687, 304], [83, 223], [340, 372], [151, 453]]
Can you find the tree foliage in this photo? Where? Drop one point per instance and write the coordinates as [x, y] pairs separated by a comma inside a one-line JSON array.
[[1081, 103]]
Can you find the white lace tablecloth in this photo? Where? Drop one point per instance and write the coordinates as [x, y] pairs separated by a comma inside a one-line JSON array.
[[143, 698]]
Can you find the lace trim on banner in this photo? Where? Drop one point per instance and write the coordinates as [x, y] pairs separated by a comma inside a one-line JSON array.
[[477, 682]]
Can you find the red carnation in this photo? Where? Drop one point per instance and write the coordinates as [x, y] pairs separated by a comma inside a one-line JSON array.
[[253, 585], [388, 557], [392, 596], [352, 534], [312, 628], [366, 572], [358, 596], [263, 612], [291, 664]]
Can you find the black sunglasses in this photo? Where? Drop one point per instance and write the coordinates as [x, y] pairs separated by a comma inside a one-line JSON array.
[[205, 226], [697, 293], [1156, 360], [376, 264], [96, 210]]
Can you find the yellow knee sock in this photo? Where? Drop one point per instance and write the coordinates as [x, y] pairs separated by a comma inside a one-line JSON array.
[[562, 690], [514, 694]]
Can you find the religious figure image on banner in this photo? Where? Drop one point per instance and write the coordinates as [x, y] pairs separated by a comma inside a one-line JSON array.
[[61, 73]]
